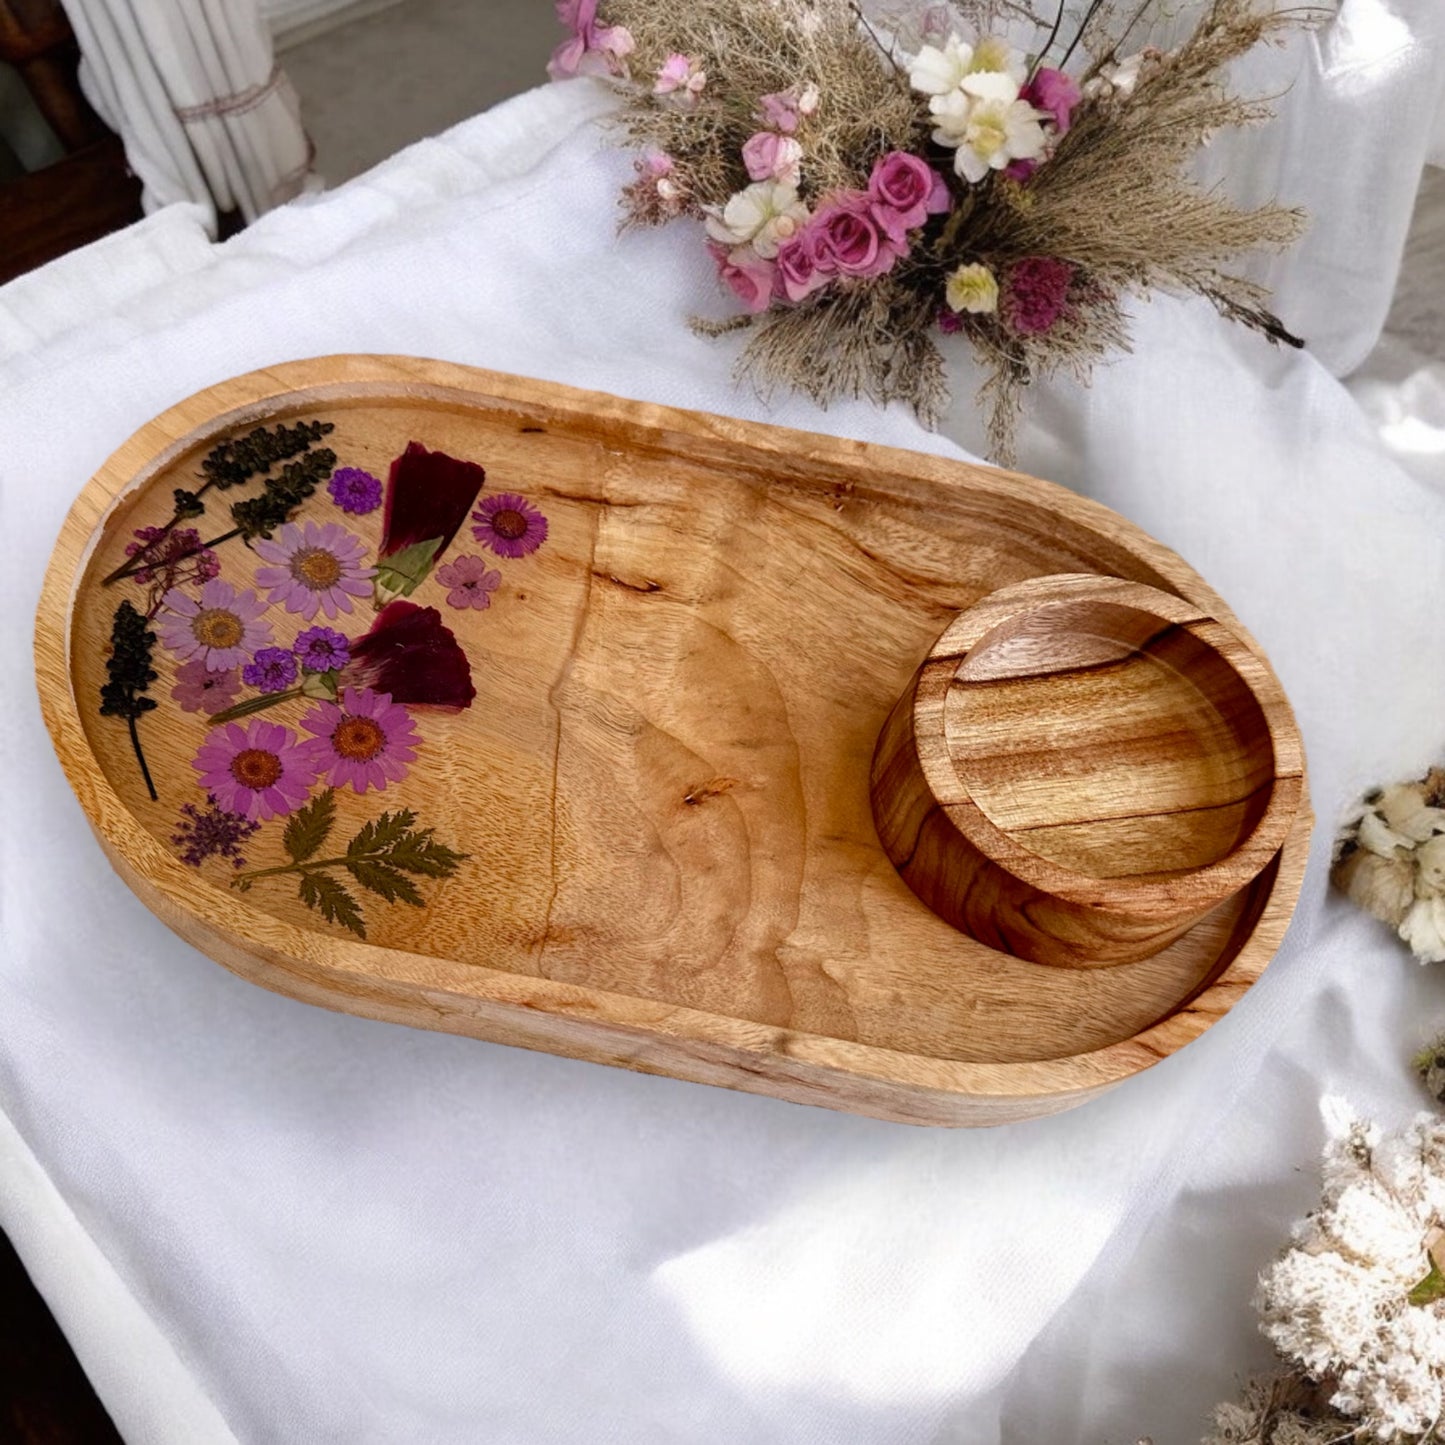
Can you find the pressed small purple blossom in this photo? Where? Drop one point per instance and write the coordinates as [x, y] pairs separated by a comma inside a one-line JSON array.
[[178, 561], [212, 834], [272, 670], [509, 525], [354, 490], [322, 649], [470, 582], [198, 689], [949, 321]]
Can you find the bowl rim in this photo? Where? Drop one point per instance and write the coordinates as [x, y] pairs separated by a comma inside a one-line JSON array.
[[1176, 894]]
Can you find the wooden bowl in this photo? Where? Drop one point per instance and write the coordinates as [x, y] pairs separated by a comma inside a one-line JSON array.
[[1083, 768], [661, 788]]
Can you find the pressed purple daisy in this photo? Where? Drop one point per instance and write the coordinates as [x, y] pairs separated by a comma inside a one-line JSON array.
[[223, 629], [260, 771], [212, 834], [368, 741], [198, 689], [322, 649], [470, 582], [272, 670], [314, 568], [509, 525], [354, 490]]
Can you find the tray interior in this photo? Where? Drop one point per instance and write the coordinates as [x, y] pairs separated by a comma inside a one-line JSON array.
[[662, 783]]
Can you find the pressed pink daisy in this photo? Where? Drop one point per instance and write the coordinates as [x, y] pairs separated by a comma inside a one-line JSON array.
[[260, 771], [222, 629], [470, 582], [367, 741], [198, 689], [315, 567], [510, 525]]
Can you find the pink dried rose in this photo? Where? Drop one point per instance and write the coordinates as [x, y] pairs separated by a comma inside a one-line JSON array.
[[749, 275], [1055, 95], [590, 49], [681, 78], [769, 156], [656, 195], [1035, 294], [783, 109], [848, 239], [779, 110], [905, 191], [798, 274]]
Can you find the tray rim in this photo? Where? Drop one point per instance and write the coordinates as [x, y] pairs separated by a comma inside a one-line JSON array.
[[487, 1002]]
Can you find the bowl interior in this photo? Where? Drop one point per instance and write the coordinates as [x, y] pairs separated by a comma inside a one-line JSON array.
[[1109, 741]]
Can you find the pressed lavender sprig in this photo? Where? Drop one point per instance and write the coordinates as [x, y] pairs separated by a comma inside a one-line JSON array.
[[259, 516], [229, 465], [131, 675]]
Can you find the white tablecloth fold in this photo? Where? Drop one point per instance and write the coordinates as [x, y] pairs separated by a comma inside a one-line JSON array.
[[341, 1231]]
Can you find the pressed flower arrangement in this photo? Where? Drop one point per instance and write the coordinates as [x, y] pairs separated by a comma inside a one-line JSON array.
[[304, 618], [977, 169]]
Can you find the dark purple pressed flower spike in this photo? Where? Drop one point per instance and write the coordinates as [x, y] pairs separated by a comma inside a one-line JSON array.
[[411, 654], [428, 497]]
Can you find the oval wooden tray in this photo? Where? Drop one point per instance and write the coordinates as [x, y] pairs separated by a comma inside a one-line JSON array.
[[662, 784]]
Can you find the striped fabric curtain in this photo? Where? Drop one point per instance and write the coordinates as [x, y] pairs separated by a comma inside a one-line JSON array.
[[193, 89]]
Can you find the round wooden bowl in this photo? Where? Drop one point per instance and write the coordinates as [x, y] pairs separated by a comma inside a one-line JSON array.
[[1083, 768]]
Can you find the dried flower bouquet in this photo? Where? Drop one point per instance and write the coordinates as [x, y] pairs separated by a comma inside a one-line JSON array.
[[866, 186]]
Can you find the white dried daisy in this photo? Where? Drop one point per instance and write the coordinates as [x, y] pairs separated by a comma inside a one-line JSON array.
[[1390, 860]]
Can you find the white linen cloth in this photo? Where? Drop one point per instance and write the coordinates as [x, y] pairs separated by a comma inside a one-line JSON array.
[[193, 89], [262, 1222]]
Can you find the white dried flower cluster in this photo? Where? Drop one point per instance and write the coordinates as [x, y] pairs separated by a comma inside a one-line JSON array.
[[1390, 859], [1359, 1300]]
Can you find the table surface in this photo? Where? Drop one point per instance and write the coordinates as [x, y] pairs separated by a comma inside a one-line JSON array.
[[259, 1221]]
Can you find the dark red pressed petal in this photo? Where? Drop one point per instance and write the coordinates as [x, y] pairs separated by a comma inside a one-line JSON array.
[[428, 494], [411, 654]]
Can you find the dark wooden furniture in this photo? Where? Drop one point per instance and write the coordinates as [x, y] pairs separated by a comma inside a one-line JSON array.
[[88, 193]]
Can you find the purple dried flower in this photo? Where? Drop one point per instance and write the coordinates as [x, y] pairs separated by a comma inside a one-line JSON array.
[[198, 689], [320, 649], [355, 491], [1036, 294], [214, 833], [179, 561], [273, 670]]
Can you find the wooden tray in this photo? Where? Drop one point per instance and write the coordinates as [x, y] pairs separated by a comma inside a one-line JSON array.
[[662, 785]]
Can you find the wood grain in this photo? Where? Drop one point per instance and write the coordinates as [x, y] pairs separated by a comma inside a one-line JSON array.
[[1083, 768], [663, 784]]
